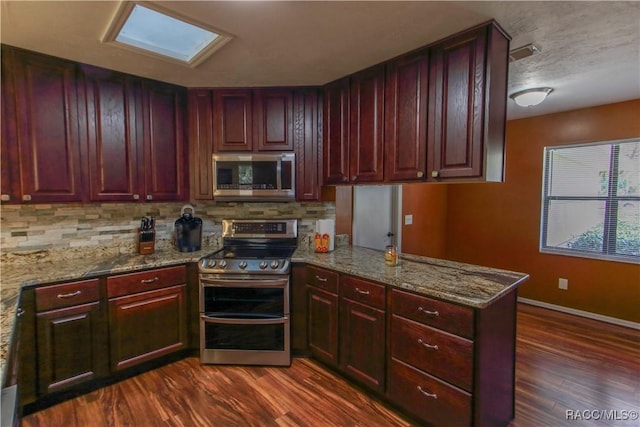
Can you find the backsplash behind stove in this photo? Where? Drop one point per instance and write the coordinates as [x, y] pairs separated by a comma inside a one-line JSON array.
[[115, 225]]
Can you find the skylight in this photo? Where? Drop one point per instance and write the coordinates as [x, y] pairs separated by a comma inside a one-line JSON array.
[[159, 33]]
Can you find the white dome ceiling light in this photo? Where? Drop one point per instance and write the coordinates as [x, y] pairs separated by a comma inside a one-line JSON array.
[[531, 97]]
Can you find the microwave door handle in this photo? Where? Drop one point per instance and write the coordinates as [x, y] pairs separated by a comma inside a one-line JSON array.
[[279, 174]]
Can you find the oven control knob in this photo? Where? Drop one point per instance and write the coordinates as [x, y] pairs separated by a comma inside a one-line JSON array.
[[263, 265], [222, 264], [275, 264], [243, 264], [211, 263]]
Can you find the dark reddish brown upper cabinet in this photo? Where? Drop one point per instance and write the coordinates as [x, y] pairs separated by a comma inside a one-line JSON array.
[[467, 104], [406, 90], [71, 335], [46, 133], [113, 132], [362, 331], [336, 132], [200, 113], [233, 120], [366, 125], [9, 170], [163, 144], [307, 136], [273, 119]]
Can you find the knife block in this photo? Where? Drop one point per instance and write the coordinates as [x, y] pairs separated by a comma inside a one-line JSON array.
[[146, 241]]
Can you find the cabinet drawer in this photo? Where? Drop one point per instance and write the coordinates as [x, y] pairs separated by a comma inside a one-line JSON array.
[[432, 400], [362, 291], [324, 279], [67, 294], [444, 355], [449, 317], [127, 284]]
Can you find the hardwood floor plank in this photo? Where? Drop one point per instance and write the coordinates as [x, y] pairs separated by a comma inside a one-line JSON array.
[[563, 363]]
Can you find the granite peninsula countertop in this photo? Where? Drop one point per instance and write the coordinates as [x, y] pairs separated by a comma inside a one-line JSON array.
[[466, 284]]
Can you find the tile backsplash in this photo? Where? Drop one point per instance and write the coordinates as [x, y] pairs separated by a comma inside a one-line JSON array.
[[115, 225]]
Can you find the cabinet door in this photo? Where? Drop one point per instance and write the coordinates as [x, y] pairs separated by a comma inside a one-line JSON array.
[[273, 119], [163, 142], [366, 120], [457, 104], [201, 144], [9, 170], [323, 325], [307, 136], [233, 118], [71, 346], [113, 134], [336, 132], [362, 343], [406, 118], [47, 129], [147, 325]]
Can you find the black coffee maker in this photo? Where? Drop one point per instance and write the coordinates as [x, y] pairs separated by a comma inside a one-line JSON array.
[[188, 230]]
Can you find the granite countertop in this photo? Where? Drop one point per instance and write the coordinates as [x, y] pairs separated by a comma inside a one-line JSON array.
[[465, 284]]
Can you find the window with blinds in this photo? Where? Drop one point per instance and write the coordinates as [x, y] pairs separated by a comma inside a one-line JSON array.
[[591, 200]]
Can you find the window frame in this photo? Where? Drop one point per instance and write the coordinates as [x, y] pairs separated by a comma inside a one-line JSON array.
[[611, 208]]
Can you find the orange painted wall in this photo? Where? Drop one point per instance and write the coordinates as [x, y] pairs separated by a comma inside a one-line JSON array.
[[428, 205], [497, 224]]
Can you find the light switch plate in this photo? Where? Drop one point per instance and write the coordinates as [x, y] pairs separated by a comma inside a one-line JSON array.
[[408, 219], [563, 284]]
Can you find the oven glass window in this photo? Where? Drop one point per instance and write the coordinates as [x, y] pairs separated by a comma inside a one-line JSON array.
[[244, 303], [220, 336]]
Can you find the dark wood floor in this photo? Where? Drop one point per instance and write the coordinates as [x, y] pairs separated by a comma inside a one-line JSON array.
[[564, 363]]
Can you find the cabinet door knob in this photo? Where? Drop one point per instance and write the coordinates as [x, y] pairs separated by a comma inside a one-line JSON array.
[[419, 174], [353, 178], [5, 197], [435, 174], [20, 312], [26, 198], [345, 179], [136, 197], [149, 197]]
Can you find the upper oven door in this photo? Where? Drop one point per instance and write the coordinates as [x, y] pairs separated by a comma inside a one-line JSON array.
[[255, 298], [254, 177]]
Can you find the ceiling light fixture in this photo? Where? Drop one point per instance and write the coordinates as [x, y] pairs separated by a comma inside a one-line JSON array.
[[531, 97]]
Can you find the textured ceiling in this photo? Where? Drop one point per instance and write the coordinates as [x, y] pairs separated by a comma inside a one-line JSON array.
[[590, 50]]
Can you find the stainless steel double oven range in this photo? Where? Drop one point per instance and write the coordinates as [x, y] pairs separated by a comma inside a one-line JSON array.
[[244, 294]]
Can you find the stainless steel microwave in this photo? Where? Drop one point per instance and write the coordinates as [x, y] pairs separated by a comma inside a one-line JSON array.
[[254, 177]]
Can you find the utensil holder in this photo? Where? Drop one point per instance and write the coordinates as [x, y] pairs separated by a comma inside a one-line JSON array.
[[146, 242]]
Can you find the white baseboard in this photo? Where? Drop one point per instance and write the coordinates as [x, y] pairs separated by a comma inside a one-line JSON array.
[[615, 321]]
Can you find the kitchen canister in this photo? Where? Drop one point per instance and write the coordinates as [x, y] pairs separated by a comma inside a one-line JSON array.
[[325, 235]]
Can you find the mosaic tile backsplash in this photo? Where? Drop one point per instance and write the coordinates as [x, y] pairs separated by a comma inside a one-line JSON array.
[[29, 228]]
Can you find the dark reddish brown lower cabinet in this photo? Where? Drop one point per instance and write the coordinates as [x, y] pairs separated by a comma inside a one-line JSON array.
[[71, 346], [323, 325], [427, 397], [362, 349], [147, 325]]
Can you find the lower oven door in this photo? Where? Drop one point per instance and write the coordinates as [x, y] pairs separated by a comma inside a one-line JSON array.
[[245, 320]]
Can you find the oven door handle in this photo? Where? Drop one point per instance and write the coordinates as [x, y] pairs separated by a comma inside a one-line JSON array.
[[229, 321], [245, 283]]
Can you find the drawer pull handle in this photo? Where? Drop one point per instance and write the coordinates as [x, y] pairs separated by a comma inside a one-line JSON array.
[[430, 313], [71, 295], [321, 279], [426, 393], [426, 344], [20, 312], [148, 281], [360, 291]]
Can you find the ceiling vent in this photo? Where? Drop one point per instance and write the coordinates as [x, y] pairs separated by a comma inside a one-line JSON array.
[[523, 52]]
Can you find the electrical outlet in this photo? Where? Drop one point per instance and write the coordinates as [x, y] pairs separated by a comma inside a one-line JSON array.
[[408, 219], [563, 284]]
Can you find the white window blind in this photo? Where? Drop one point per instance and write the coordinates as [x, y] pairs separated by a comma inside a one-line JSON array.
[[591, 200]]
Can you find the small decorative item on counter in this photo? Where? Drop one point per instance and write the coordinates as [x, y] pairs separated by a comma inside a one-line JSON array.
[[147, 236], [325, 235], [391, 256], [188, 230]]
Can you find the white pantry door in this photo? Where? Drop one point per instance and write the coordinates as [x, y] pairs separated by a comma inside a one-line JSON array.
[[377, 210]]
